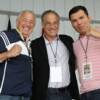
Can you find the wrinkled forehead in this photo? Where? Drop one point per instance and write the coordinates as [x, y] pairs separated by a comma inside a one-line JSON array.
[[25, 15], [50, 15]]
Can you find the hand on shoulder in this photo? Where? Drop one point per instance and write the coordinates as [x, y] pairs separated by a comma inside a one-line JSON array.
[[94, 32]]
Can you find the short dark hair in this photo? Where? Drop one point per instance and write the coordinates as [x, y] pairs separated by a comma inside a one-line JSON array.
[[76, 9], [47, 12]]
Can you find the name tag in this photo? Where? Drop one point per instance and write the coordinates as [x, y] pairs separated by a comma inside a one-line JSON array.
[[55, 74], [87, 71]]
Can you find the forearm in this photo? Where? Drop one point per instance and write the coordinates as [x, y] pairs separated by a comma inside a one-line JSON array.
[[13, 52], [4, 56], [95, 33]]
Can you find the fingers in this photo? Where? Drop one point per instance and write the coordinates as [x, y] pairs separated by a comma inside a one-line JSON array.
[[14, 51]]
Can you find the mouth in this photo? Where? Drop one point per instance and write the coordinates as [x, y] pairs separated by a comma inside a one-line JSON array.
[[26, 29]]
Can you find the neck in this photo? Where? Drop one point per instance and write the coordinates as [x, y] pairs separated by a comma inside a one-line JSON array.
[[85, 33], [50, 39], [81, 35]]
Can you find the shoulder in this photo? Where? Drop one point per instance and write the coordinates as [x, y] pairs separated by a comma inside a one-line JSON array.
[[36, 41], [76, 44], [10, 32], [66, 37]]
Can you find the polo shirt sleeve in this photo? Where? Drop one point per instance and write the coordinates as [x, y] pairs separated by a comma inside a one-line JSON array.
[[2, 45]]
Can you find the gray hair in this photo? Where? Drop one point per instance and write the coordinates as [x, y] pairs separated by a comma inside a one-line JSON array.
[[23, 12]]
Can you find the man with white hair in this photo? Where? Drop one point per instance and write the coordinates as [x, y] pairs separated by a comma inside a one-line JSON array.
[[15, 62]]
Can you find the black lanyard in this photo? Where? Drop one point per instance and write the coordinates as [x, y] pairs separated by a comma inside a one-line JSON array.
[[29, 51], [85, 49], [54, 53], [26, 44]]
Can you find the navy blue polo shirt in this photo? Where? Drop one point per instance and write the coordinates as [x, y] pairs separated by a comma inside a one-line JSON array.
[[17, 80]]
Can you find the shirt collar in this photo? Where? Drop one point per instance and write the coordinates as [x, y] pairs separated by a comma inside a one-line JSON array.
[[20, 34], [28, 39], [47, 41]]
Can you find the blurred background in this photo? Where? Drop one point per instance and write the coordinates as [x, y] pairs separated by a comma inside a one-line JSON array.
[[9, 9]]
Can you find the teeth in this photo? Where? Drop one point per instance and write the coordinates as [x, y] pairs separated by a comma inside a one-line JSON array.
[[26, 29]]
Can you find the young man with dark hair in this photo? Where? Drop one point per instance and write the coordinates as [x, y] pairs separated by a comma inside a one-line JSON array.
[[87, 51]]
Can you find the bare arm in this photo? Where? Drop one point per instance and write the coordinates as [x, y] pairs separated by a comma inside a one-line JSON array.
[[94, 33], [13, 52]]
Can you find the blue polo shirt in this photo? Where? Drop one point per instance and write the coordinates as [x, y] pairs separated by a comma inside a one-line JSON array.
[[17, 80]]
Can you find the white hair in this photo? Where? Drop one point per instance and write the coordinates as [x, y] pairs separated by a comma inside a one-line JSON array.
[[23, 12]]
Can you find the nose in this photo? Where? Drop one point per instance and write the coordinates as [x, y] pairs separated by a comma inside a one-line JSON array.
[[78, 22]]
